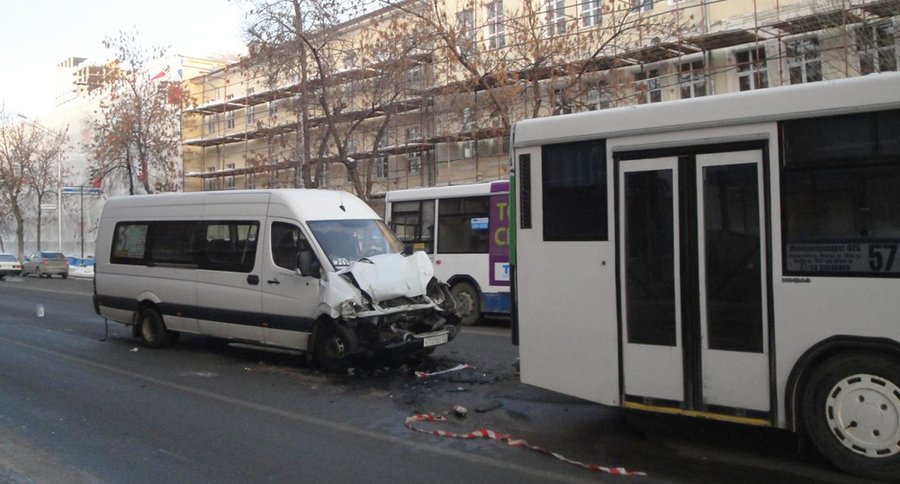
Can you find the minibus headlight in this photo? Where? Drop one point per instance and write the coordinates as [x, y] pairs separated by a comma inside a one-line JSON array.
[[349, 309]]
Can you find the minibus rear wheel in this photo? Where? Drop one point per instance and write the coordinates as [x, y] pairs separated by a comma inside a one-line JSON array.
[[152, 330]]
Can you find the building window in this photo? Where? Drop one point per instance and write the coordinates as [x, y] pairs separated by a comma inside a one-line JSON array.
[[251, 116], [561, 103], [751, 69], [211, 124], [273, 109], [468, 119], [876, 47], [641, 5], [804, 60], [413, 134], [556, 17], [381, 167], [229, 120], [647, 86], [693, 79], [590, 13], [211, 181], [597, 98], [229, 179], [496, 38], [465, 22], [468, 149], [415, 163]]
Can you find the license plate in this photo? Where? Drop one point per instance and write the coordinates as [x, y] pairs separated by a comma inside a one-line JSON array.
[[434, 340]]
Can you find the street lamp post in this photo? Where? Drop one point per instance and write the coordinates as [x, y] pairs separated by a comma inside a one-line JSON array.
[[58, 183]]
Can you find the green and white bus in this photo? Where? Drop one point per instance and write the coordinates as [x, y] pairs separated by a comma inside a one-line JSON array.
[[731, 257]]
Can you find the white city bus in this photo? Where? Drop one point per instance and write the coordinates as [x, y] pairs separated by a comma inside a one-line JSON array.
[[469, 248], [732, 257]]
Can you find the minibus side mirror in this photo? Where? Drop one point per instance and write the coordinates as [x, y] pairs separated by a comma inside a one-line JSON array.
[[307, 264], [407, 249]]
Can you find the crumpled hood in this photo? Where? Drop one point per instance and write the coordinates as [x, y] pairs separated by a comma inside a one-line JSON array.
[[389, 276]]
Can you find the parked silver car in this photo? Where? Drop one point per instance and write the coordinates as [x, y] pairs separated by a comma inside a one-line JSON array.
[[9, 265], [46, 264]]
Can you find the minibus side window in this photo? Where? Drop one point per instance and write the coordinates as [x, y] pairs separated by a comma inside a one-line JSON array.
[[229, 246], [287, 241], [129, 243], [173, 242]]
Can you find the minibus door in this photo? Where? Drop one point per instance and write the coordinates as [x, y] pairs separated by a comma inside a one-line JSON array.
[[289, 300]]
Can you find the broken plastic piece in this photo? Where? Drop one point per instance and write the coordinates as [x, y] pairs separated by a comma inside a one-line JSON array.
[[461, 366]]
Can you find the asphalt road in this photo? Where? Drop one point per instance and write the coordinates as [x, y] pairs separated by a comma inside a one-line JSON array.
[[74, 408]]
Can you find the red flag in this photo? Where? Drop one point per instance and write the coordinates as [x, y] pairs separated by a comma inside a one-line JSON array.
[[161, 74]]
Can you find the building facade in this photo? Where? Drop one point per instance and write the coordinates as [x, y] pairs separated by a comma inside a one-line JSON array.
[[431, 101]]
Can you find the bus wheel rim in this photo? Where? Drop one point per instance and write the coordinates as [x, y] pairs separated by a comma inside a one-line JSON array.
[[863, 412]]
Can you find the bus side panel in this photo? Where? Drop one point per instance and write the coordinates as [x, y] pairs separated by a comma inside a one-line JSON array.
[[567, 344]]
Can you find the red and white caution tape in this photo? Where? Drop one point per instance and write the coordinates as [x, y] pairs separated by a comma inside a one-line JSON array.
[[490, 434], [461, 366]]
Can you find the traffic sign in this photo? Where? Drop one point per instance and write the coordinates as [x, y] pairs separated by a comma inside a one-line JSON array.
[[78, 190]]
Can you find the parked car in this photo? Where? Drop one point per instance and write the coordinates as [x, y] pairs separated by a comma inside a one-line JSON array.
[[81, 267], [9, 265], [46, 264]]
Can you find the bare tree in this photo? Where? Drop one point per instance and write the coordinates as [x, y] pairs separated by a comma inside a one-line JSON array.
[[45, 171], [279, 32], [18, 148], [136, 132], [350, 83]]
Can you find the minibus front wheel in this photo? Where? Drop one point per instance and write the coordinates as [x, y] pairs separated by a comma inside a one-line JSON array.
[[334, 344], [152, 330]]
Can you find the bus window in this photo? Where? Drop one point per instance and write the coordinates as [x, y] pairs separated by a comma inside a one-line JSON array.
[[413, 222], [463, 225], [574, 184], [840, 197]]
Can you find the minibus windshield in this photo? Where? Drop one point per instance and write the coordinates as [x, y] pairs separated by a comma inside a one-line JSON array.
[[347, 241]]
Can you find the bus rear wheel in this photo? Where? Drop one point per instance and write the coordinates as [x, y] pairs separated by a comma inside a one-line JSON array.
[[467, 302], [851, 409], [152, 329]]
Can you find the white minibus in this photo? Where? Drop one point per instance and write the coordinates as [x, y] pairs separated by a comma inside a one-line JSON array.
[[731, 257], [310, 270]]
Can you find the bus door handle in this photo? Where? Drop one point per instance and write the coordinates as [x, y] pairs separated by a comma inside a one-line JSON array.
[[252, 280], [273, 281]]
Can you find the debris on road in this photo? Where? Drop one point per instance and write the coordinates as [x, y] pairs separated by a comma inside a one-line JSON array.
[[492, 435], [459, 410], [489, 406], [426, 374], [40, 310], [134, 350]]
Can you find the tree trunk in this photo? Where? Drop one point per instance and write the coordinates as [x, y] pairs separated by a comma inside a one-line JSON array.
[[20, 229], [40, 196]]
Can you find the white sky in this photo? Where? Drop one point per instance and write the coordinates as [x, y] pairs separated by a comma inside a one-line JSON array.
[[35, 35]]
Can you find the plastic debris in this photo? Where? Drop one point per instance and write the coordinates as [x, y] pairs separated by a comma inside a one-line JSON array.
[[426, 374], [40, 310], [459, 410], [134, 350]]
